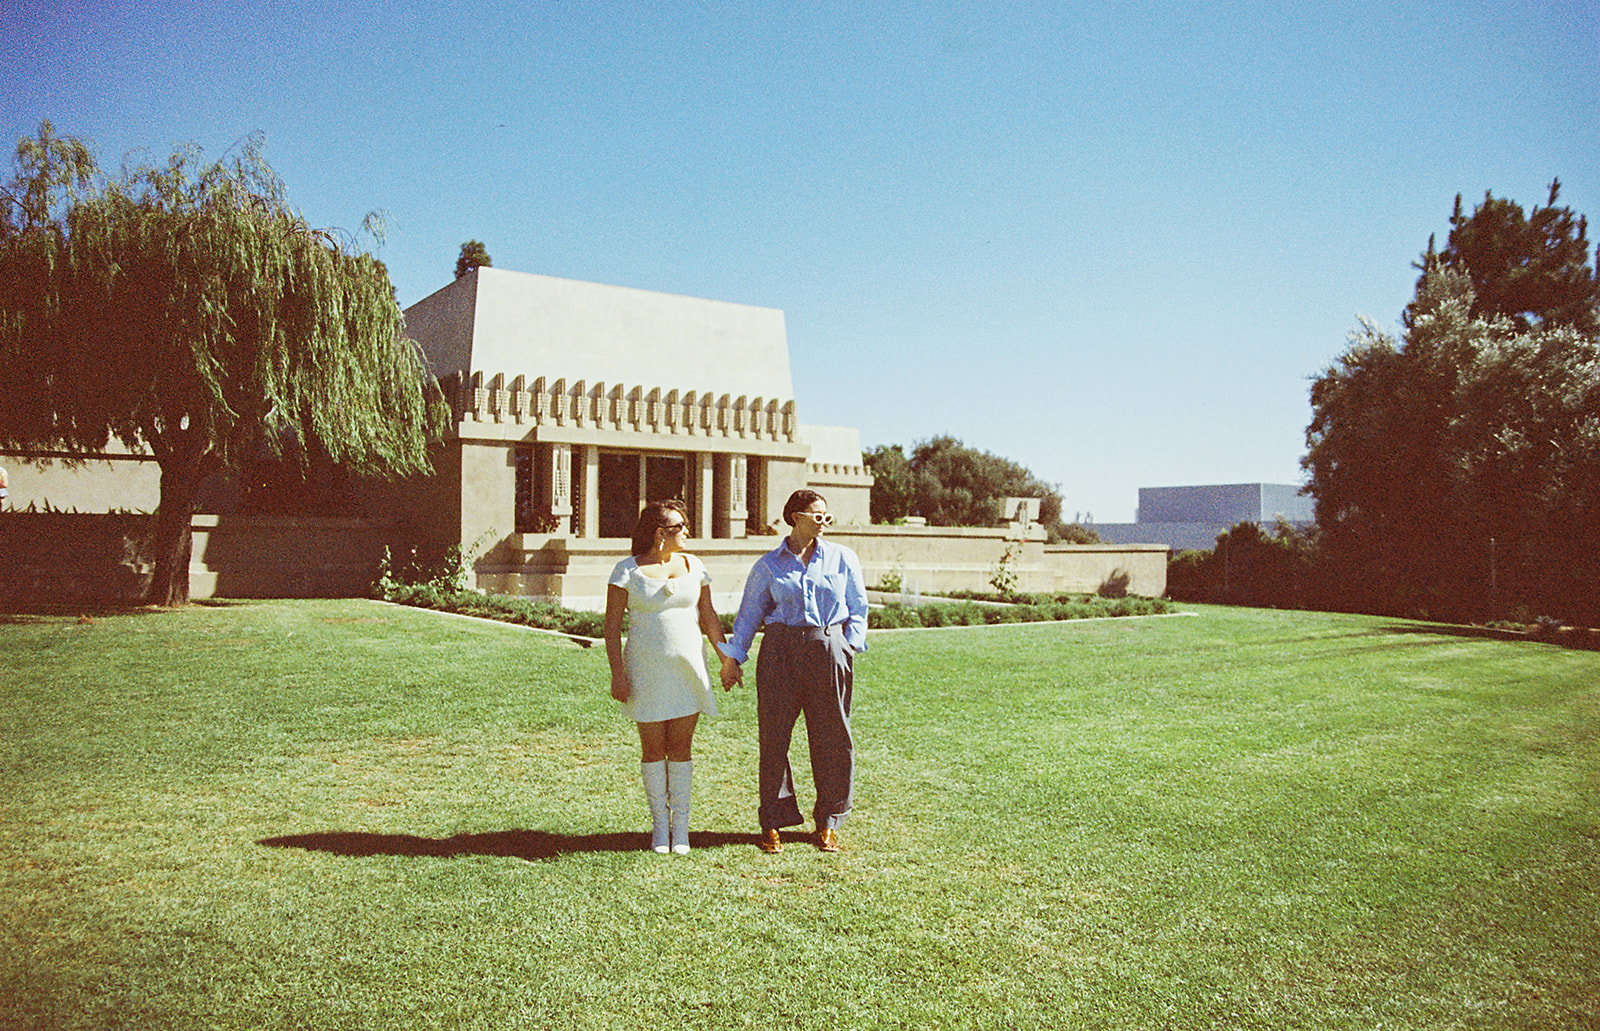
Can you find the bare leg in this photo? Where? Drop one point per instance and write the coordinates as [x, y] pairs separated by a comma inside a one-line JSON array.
[[667, 739]]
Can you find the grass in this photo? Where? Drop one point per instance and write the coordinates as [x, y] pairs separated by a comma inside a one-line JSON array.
[[338, 814]]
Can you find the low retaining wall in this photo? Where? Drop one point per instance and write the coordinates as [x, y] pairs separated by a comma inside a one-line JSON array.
[[60, 557], [72, 557], [940, 559], [286, 556], [52, 556], [925, 559]]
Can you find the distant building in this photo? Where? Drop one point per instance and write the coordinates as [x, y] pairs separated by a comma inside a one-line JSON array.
[[1191, 518]]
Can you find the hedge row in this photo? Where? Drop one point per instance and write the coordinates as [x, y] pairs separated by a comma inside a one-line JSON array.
[[970, 613], [547, 615], [534, 612]]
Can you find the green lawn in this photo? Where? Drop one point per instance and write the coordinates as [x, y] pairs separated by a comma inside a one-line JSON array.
[[341, 814]]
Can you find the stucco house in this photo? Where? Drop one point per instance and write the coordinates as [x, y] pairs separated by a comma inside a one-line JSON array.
[[574, 403]]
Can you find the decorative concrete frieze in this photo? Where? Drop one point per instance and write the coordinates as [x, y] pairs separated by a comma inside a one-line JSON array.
[[575, 404], [689, 417], [479, 397], [591, 405], [498, 402], [636, 409], [615, 411], [520, 400], [541, 402], [655, 411], [633, 408]]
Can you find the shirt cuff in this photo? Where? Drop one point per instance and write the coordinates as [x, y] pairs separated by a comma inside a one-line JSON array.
[[734, 652]]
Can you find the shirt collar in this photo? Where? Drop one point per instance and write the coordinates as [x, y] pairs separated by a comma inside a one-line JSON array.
[[783, 549]]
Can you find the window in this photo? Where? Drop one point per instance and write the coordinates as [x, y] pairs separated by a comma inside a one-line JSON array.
[[630, 479]]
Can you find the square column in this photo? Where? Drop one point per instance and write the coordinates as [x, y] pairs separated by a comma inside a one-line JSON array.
[[704, 475], [729, 490], [587, 522]]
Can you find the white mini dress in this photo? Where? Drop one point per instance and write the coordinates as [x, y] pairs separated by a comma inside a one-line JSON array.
[[665, 650]]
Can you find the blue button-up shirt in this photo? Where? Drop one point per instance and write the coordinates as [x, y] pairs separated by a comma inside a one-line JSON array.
[[823, 592]]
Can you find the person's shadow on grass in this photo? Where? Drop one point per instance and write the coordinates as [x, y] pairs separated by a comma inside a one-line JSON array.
[[512, 844]]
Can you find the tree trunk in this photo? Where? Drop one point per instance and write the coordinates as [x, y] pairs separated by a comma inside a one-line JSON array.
[[182, 469]]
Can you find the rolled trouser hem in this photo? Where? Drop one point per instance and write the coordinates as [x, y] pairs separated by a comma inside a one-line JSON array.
[[793, 819], [833, 820]]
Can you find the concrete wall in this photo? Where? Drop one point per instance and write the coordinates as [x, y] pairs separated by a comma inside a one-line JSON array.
[[541, 325], [97, 557], [443, 324], [849, 495], [101, 557], [574, 571], [928, 560], [487, 514], [286, 556], [934, 559], [117, 481], [72, 557]]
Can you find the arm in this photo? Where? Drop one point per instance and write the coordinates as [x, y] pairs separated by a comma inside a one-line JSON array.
[[712, 625], [616, 605], [753, 609], [855, 603]]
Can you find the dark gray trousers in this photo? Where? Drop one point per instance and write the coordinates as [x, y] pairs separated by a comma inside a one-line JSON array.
[[806, 670]]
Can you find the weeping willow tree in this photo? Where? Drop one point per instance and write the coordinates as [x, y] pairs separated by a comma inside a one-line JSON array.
[[183, 308]]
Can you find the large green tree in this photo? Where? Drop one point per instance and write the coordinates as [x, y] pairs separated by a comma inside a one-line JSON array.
[[474, 255], [894, 484], [950, 484], [1456, 471], [183, 308], [1532, 268]]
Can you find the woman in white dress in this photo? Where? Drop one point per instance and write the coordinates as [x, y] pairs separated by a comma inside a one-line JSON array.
[[660, 677]]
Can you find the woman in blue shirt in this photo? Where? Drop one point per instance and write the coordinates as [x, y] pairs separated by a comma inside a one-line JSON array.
[[812, 599]]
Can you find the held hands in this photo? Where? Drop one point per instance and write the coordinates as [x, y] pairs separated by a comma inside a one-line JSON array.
[[732, 673]]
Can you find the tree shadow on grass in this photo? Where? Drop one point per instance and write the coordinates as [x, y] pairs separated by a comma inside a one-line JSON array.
[[511, 844], [19, 613], [1577, 638]]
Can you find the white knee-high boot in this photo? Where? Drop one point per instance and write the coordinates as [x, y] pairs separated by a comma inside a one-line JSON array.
[[679, 776], [655, 792]]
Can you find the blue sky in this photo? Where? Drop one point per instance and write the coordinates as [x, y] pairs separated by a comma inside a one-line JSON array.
[[1113, 242]]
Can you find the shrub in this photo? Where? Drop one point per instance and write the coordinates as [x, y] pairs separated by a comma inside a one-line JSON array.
[[966, 614], [893, 617], [1004, 614]]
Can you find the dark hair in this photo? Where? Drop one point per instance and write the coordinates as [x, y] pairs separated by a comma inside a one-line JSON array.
[[652, 517], [798, 500]]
